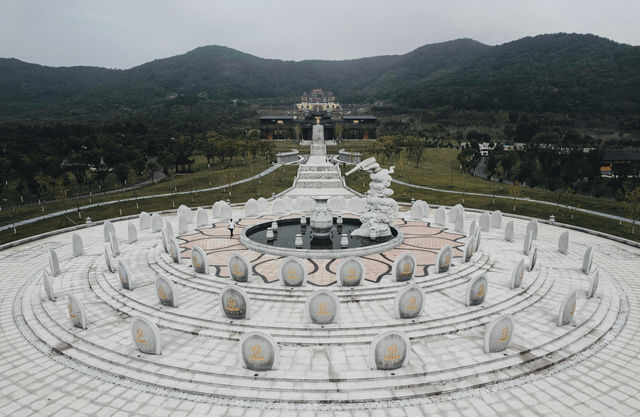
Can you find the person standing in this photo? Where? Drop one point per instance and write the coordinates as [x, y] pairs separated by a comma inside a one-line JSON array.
[[231, 227]]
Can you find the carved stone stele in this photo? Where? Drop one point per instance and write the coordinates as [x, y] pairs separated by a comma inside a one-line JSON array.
[[322, 307], [77, 312], [389, 350], [239, 268], [567, 308], [408, 302], [498, 334], [146, 336], [259, 351], [443, 259], [293, 272], [199, 260], [404, 267], [476, 290], [167, 292], [350, 272], [235, 303]]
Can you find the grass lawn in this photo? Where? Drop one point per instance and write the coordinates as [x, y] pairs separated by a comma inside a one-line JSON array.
[[276, 182]]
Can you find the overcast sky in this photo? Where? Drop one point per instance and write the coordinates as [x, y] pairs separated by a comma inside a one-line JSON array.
[[125, 33]]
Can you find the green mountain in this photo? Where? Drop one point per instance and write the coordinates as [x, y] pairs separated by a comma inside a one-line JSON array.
[[560, 73]]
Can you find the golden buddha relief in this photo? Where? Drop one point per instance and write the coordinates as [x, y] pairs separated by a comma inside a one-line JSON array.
[[140, 337], [292, 274], [235, 270], [256, 353], [351, 274], [392, 353], [73, 316], [504, 335], [322, 309], [413, 303], [162, 293], [406, 268], [573, 309], [447, 261], [480, 292]]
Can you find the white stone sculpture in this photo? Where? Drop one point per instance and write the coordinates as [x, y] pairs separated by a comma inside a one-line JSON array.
[[77, 312], [132, 233], [263, 205], [146, 336], [485, 222], [183, 223], [156, 222], [381, 208], [199, 260], [440, 217], [76, 244], [563, 243], [202, 218], [496, 219], [145, 220], [226, 212], [251, 208], [508, 232], [54, 264], [278, 207]]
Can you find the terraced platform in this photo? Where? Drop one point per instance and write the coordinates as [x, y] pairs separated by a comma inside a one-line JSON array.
[[46, 362]]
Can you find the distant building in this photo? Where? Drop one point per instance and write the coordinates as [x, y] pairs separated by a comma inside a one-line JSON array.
[[318, 107], [612, 158]]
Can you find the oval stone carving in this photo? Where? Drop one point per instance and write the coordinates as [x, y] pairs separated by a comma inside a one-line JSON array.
[[476, 240], [235, 303], [146, 336], [389, 351], [459, 224], [259, 351], [563, 243], [322, 307], [508, 231], [54, 264], [533, 257], [532, 227], [517, 274], [443, 259], [168, 228], [473, 226], [108, 229], [126, 280], [404, 267], [350, 272], [468, 249], [567, 308], [166, 291], [174, 250], [76, 244], [459, 211], [183, 223], [499, 333], [496, 219], [526, 244], [165, 241], [593, 284], [48, 286], [408, 302], [202, 219], [476, 290], [115, 248], [587, 260], [440, 217], [239, 268], [156, 222], [132, 233], [199, 260], [293, 272], [108, 260], [485, 222], [77, 313], [145, 220]]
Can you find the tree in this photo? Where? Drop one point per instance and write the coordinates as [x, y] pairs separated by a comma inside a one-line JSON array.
[[516, 191], [416, 149], [468, 158], [632, 201], [122, 173]]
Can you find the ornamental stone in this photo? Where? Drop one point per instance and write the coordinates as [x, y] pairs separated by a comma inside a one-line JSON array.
[[485, 222], [408, 302], [499, 333], [533, 257], [587, 260], [440, 217], [77, 313], [459, 224], [174, 250], [48, 286], [202, 219], [115, 248], [443, 259], [567, 308], [322, 307], [156, 222], [183, 224], [54, 264], [108, 229], [146, 336], [145, 220], [126, 279], [593, 283], [263, 205], [76, 244], [259, 351], [563, 243], [199, 260], [278, 207], [532, 227], [476, 290], [132, 233], [517, 274], [235, 303], [526, 244], [166, 290], [108, 260], [508, 231], [168, 229], [350, 272], [165, 241], [239, 268], [473, 226], [404, 267], [293, 272], [389, 351], [496, 219], [468, 250]]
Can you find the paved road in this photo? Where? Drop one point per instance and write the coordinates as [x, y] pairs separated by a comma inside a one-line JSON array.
[[105, 203], [549, 203]]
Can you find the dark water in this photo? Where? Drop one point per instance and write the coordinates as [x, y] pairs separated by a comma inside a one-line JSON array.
[[288, 228]]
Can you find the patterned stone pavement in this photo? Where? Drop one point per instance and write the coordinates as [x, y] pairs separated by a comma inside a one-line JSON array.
[[590, 367]]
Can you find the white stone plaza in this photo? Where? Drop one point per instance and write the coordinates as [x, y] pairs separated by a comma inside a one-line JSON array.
[[459, 312]]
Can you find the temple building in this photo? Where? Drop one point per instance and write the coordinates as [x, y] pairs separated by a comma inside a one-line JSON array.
[[318, 107]]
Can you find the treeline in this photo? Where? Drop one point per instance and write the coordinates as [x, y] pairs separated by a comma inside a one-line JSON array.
[[47, 162]]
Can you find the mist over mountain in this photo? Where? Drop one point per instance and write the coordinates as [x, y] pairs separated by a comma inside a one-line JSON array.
[[562, 73]]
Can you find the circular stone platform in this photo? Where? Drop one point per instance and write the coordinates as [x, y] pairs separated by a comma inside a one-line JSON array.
[[49, 366]]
